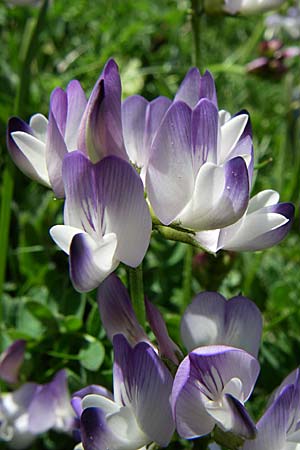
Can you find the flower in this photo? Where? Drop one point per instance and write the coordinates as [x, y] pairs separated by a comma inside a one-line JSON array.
[[140, 412], [34, 409], [106, 218], [11, 360], [265, 223], [38, 149], [197, 173], [210, 388], [211, 320], [243, 7], [279, 427]]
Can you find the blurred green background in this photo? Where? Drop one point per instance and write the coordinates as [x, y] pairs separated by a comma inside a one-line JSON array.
[[152, 44]]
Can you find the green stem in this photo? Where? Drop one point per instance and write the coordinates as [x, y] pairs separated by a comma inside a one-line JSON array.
[[173, 234], [196, 12], [136, 288], [187, 277], [26, 57]]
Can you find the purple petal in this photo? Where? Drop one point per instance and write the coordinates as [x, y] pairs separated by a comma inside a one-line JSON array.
[[155, 114], [59, 107], [227, 189], [11, 360], [189, 90], [91, 262], [208, 88], [102, 123], [21, 398], [148, 384], [243, 425], [205, 128], [127, 213], [211, 319], [76, 102], [273, 426], [170, 176], [116, 311], [167, 348], [95, 433], [41, 411], [134, 110]]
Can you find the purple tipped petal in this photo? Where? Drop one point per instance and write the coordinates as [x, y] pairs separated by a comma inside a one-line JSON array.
[[170, 176], [243, 425], [11, 360], [167, 348], [155, 113], [194, 87], [101, 127], [95, 433], [42, 411], [116, 311], [227, 189], [91, 262], [205, 124], [26, 150], [59, 107], [148, 385]]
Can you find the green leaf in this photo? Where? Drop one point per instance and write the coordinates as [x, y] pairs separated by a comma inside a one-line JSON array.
[[92, 355]]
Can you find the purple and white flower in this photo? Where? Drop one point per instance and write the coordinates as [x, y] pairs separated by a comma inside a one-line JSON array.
[[279, 427], [197, 173], [210, 388], [38, 149], [140, 412], [212, 320], [243, 7], [11, 360], [106, 218], [34, 409], [264, 224]]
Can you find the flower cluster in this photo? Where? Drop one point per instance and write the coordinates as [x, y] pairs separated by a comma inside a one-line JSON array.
[[194, 162]]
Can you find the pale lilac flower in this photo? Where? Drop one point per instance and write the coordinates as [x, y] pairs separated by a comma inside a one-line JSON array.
[[245, 7], [38, 149], [34, 409], [264, 224], [106, 218], [11, 360], [211, 319], [279, 427], [118, 317], [210, 388], [290, 23], [140, 412], [197, 173]]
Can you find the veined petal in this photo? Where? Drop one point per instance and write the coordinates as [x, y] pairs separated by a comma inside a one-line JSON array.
[[208, 88], [126, 211], [76, 102], [220, 196], [272, 427], [59, 107], [11, 360], [147, 388], [155, 114], [116, 311], [90, 261], [205, 129], [189, 89], [170, 175]]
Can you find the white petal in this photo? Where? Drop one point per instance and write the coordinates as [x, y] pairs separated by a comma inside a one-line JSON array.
[[39, 124], [63, 235], [231, 131], [98, 401]]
